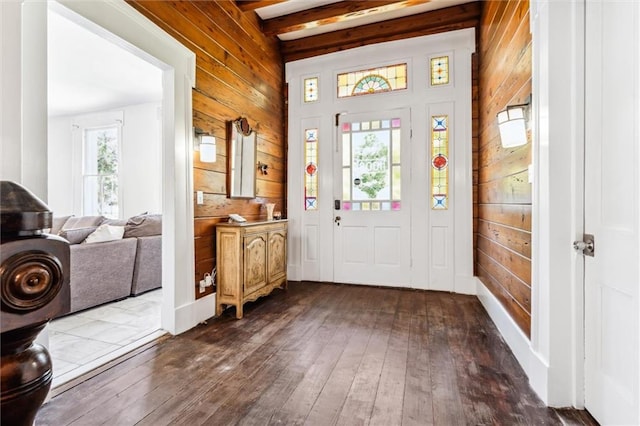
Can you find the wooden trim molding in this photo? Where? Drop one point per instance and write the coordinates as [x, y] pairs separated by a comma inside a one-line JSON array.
[[331, 13], [442, 20]]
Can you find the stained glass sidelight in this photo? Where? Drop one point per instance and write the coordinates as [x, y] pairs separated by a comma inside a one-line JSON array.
[[371, 165], [311, 89], [439, 162], [374, 80], [311, 169], [439, 70]]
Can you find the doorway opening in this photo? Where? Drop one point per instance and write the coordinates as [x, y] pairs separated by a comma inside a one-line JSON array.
[[105, 163]]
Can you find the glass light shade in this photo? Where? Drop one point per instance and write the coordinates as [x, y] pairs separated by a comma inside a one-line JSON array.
[[207, 149], [513, 129]]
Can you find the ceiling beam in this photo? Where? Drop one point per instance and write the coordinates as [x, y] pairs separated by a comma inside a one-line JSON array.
[[441, 20], [247, 5], [330, 13]]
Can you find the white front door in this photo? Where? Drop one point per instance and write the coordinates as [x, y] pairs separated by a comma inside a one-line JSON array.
[[612, 212], [372, 217]]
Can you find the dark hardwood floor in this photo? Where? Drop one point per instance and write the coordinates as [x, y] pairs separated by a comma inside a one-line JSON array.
[[321, 354]]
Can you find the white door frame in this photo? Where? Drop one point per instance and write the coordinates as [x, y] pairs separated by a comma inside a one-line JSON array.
[[554, 357], [309, 231]]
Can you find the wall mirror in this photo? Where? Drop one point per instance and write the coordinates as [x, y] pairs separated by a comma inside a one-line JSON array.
[[241, 154]]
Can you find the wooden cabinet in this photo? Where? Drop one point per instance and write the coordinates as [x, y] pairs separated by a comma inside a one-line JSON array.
[[251, 261]]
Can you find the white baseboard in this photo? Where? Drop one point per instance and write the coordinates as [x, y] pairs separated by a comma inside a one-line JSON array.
[[534, 367], [192, 314]]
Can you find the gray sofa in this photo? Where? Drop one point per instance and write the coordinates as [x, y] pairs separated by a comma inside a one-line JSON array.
[[103, 272]]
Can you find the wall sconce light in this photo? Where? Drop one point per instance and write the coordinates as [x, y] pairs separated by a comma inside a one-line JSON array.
[[206, 144], [513, 125], [262, 167]]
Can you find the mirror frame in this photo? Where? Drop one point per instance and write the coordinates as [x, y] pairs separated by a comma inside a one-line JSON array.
[[240, 136]]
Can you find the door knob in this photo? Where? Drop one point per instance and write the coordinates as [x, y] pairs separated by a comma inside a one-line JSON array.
[[587, 247], [337, 220]]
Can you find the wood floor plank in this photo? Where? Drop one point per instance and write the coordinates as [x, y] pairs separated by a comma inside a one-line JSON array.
[[417, 407], [297, 357], [388, 405], [295, 350], [220, 380], [320, 354], [327, 406], [447, 407], [360, 399]]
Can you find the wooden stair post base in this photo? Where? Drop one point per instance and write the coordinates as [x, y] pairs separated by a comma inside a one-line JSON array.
[[26, 375]]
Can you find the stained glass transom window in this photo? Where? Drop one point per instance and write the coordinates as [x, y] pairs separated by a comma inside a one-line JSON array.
[[311, 89], [440, 162], [375, 80], [371, 165], [439, 70], [311, 169]]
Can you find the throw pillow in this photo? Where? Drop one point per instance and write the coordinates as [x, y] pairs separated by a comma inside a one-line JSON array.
[[105, 233], [76, 236], [83, 222], [143, 226]]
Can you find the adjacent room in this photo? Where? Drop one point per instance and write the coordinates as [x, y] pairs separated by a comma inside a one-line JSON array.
[[103, 115]]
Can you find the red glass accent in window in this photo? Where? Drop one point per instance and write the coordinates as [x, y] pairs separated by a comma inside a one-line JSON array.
[[439, 162], [311, 169]]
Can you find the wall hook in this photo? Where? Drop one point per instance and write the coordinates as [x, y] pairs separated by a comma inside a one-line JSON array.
[[262, 167]]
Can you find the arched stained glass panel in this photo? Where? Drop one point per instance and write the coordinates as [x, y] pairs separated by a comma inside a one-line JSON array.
[[375, 80], [371, 84]]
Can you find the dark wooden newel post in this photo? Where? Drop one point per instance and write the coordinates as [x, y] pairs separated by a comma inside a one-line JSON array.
[[34, 285]]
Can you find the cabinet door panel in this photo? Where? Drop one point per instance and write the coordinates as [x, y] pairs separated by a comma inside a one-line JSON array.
[[229, 259], [255, 262], [277, 254]]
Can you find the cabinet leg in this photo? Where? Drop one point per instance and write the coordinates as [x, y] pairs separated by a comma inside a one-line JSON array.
[[218, 309], [239, 311]]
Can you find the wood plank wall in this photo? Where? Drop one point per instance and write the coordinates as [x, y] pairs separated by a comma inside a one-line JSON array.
[[239, 72], [503, 225]]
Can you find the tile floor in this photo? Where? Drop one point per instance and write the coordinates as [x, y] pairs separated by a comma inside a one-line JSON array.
[[93, 337]]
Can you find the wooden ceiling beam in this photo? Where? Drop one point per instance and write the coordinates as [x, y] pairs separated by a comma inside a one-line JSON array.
[[247, 5], [331, 13], [441, 20]]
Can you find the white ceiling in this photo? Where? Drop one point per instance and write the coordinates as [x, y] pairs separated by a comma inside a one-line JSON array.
[[292, 6], [87, 73]]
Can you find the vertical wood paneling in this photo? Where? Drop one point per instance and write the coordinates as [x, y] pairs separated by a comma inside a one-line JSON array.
[[239, 72], [503, 215]]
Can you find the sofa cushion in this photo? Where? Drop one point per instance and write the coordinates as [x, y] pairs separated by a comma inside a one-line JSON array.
[[143, 226], [82, 222], [115, 222], [57, 224], [104, 233], [147, 271], [101, 273], [77, 235]]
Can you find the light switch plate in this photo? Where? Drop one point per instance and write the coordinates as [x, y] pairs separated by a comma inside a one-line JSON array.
[[199, 197]]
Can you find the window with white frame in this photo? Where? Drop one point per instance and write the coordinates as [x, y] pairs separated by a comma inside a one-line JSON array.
[[100, 171]]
